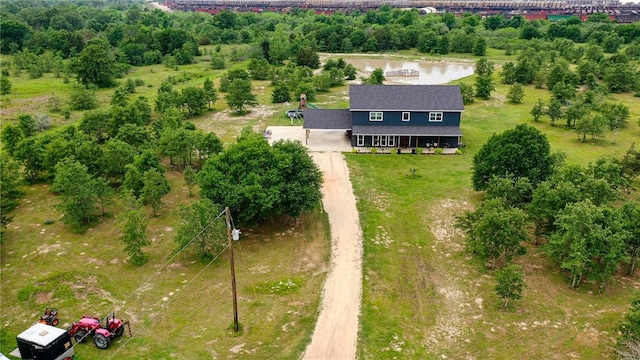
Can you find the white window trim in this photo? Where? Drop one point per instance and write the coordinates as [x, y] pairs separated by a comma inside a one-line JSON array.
[[360, 140], [375, 118], [391, 141], [407, 117], [383, 140], [436, 116]]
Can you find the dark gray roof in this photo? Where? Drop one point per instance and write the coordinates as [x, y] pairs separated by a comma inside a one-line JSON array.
[[405, 97], [407, 130], [327, 119]]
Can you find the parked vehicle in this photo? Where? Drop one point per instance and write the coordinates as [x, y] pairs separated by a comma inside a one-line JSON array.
[[103, 331], [44, 342], [50, 317]]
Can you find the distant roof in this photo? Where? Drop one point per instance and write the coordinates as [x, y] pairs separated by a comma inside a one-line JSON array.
[[327, 119], [407, 130], [405, 97]]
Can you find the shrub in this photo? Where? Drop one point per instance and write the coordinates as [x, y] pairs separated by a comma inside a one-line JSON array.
[[419, 151], [438, 151]]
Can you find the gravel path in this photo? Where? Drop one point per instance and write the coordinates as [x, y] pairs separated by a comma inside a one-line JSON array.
[[336, 333]]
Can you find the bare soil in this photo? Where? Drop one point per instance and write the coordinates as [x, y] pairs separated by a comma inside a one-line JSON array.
[[336, 332]]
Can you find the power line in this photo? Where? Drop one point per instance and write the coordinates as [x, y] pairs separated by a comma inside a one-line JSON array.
[[173, 257], [166, 303], [164, 266]]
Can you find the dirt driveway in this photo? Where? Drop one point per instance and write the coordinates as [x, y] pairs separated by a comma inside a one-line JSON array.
[[336, 332]]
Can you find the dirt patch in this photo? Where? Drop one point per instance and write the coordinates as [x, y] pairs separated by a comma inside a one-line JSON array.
[[47, 248], [24, 106], [458, 303], [226, 124], [44, 298]]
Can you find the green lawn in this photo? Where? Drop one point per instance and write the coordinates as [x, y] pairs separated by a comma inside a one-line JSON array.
[[425, 297]]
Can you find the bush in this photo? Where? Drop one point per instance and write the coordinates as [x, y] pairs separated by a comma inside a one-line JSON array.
[[419, 151], [66, 112], [217, 63], [438, 151], [83, 99]]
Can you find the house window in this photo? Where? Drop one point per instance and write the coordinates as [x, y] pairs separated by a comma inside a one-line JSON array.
[[375, 116], [360, 140], [383, 141], [376, 140], [391, 141], [435, 116], [406, 116]]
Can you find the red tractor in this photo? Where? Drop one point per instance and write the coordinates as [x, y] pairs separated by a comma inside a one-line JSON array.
[[102, 330]]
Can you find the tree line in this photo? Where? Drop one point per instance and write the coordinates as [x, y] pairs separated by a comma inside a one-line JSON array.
[[113, 36]]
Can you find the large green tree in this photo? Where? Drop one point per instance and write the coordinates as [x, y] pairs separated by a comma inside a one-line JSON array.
[[154, 187], [520, 152], [195, 100], [77, 200], [96, 64], [588, 243], [257, 181], [239, 96], [568, 185], [134, 229], [495, 231]]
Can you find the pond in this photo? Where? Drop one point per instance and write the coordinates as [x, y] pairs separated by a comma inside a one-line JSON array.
[[417, 72]]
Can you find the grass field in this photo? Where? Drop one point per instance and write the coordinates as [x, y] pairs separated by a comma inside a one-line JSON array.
[[424, 297], [179, 308]]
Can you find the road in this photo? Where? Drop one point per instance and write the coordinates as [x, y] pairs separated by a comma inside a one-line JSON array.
[[336, 333]]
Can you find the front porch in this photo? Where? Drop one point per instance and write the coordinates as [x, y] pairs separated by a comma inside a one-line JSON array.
[[406, 150]]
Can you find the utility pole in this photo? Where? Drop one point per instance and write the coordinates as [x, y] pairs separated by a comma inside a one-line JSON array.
[[236, 326]]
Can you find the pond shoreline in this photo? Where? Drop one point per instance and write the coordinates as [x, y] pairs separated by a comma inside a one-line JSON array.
[[423, 71]]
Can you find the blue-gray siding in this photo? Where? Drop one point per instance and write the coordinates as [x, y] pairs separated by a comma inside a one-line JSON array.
[[395, 118]]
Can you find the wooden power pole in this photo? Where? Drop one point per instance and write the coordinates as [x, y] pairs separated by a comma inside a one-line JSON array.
[[236, 326]]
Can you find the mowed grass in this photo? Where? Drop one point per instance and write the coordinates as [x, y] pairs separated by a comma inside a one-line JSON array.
[[425, 297]]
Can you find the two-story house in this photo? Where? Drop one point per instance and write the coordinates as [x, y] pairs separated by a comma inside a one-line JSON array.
[[400, 116]]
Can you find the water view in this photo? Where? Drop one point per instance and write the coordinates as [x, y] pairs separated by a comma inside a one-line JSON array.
[[419, 72]]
